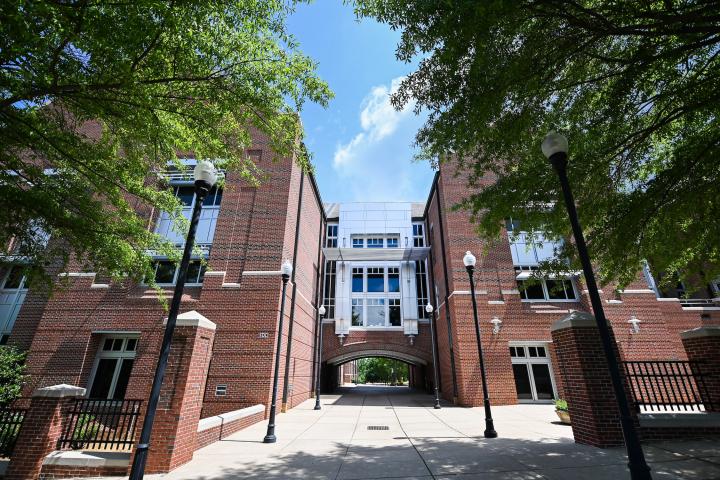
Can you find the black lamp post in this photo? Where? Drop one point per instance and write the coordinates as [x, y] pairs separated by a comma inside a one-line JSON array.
[[205, 177], [321, 314], [429, 309], [286, 271], [469, 261], [555, 147]]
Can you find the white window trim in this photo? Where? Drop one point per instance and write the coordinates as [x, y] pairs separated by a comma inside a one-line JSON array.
[[122, 354], [530, 360], [547, 295]]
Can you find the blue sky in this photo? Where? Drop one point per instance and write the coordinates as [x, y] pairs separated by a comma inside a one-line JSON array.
[[362, 147]]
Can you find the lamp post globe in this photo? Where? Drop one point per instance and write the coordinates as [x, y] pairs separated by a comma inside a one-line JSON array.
[[205, 173], [429, 308], [285, 272], [205, 177], [469, 259], [321, 314], [555, 148]]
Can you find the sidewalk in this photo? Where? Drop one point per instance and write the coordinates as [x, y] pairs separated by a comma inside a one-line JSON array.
[[422, 443]]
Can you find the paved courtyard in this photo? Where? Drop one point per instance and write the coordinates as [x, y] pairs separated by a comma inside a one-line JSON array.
[[423, 443]]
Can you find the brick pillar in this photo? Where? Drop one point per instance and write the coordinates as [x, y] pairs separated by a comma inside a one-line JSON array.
[[703, 345], [41, 429], [586, 380], [174, 432]]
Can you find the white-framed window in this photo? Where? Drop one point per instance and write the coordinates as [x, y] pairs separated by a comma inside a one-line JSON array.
[[393, 242], [375, 296], [112, 368], [13, 290], [166, 272], [421, 288], [205, 232], [358, 242], [551, 290], [375, 242], [532, 370], [329, 291], [530, 248], [418, 235], [331, 240]]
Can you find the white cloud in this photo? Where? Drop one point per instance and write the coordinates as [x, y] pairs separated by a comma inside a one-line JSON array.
[[376, 163], [378, 120]]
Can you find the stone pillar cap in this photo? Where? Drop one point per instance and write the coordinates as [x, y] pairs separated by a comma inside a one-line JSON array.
[[709, 331], [59, 391], [193, 319], [573, 320]]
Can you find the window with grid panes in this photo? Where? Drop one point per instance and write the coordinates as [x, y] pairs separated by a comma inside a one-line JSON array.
[[113, 365]]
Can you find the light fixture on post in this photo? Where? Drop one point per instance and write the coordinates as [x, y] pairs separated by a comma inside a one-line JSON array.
[[555, 148], [285, 272], [497, 325], [634, 324], [469, 261], [436, 376], [205, 177], [321, 314]]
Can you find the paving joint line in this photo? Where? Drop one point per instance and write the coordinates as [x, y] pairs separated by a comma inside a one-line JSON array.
[[347, 449], [432, 475]]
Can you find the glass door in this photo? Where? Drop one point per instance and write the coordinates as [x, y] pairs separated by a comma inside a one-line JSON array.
[[533, 376]]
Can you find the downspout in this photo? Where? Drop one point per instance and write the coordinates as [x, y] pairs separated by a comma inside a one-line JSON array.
[[447, 294], [283, 407]]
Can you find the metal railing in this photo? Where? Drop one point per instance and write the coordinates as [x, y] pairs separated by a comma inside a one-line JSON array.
[[101, 425], [11, 420], [667, 386]]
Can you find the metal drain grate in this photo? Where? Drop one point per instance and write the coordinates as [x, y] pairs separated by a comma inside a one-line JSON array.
[[378, 427]]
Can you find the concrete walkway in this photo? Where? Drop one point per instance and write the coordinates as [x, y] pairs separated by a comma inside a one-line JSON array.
[[423, 443]]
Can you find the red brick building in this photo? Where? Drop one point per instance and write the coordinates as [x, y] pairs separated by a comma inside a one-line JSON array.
[[374, 280]]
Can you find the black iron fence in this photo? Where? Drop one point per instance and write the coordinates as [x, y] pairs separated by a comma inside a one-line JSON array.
[[101, 425], [667, 386], [11, 420]]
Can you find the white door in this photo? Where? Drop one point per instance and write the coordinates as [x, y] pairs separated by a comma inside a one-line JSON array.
[[534, 380]]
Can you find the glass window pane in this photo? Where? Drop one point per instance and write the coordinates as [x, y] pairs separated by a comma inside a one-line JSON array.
[[569, 290], [165, 272], [556, 290], [376, 280], [103, 378], [357, 280], [543, 383], [392, 242], [522, 382], [117, 345], [374, 243], [123, 379], [213, 198], [394, 312], [14, 277], [375, 313], [531, 290], [358, 242], [185, 195], [195, 272], [107, 344], [393, 279], [357, 313], [131, 345]]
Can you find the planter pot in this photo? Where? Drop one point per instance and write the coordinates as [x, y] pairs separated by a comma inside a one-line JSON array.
[[564, 416]]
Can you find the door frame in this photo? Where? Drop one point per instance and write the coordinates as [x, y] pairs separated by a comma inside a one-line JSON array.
[[527, 361]]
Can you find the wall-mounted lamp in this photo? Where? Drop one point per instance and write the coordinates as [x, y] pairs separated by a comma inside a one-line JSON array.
[[341, 337], [634, 324], [497, 325], [412, 339]]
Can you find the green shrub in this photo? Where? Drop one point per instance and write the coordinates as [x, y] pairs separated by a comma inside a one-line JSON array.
[[561, 405], [12, 374]]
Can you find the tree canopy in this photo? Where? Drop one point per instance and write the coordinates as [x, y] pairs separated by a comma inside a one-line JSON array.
[[157, 78], [635, 86], [382, 370]]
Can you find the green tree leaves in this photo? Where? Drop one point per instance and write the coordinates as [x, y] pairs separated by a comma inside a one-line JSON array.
[[634, 86], [106, 93], [12, 368]]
